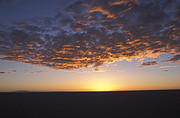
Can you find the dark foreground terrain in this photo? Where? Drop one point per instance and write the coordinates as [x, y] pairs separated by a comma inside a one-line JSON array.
[[129, 104]]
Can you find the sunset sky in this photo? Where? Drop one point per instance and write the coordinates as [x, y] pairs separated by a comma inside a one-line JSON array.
[[89, 45]]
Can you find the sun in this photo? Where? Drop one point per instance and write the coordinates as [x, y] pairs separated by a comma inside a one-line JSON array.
[[101, 85]]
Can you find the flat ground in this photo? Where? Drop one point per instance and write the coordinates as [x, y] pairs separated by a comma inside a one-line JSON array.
[[124, 104]]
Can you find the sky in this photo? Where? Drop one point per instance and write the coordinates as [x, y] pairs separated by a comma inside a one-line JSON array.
[[89, 45]]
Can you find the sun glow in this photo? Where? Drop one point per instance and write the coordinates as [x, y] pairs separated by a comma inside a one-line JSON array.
[[101, 85]]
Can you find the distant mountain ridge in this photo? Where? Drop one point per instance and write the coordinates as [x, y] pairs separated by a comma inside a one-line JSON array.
[[23, 91]]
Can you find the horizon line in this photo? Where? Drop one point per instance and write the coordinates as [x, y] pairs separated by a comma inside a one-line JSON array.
[[26, 91]]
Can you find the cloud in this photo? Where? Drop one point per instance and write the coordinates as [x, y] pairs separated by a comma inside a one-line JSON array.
[[95, 70], [14, 71], [4, 72], [8, 72], [99, 70], [174, 58], [120, 70], [148, 64], [38, 72], [164, 70], [91, 33], [168, 66]]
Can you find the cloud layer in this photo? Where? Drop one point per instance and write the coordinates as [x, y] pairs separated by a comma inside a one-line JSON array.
[[91, 33]]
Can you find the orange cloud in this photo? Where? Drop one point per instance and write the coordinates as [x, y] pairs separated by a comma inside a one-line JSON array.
[[120, 70], [95, 33]]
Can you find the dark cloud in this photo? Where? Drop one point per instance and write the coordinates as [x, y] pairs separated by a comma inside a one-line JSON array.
[[4, 72], [14, 71], [148, 64], [164, 70], [91, 33], [174, 58], [95, 70]]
